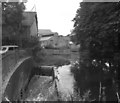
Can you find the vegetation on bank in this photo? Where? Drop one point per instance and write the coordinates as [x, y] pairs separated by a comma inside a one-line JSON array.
[[97, 29], [50, 60]]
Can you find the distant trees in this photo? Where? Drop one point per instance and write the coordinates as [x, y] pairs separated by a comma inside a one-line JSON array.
[[97, 29], [12, 13]]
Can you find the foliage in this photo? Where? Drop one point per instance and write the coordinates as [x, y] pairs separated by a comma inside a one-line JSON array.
[[74, 39], [96, 26], [30, 42], [12, 16]]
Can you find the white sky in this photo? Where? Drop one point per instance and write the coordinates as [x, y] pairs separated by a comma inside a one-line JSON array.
[[55, 14]]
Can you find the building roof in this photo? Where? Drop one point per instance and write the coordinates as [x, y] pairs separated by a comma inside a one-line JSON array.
[[45, 31], [29, 18]]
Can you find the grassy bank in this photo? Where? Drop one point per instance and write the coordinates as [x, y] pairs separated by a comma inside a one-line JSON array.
[[51, 60], [44, 57]]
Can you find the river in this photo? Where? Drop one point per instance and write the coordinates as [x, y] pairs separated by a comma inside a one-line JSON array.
[[65, 81]]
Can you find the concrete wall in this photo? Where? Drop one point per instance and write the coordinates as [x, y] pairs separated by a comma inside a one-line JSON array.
[[9, 60], [63, 41], [18, 81], [34, 29], [17, 86]]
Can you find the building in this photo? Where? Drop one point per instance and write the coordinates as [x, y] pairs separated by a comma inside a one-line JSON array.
[[52, 39], [47, 37], [0, 27], [30, 23], [63, 42]]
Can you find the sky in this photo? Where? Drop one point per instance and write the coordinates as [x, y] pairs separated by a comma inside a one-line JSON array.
[[56, 15]]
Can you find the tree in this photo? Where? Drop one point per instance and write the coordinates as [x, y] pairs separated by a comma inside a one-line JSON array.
[[97, 27], [74, 38], [12, 16]]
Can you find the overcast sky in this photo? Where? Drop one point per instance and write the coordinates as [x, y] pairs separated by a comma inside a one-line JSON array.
[[55, 14]]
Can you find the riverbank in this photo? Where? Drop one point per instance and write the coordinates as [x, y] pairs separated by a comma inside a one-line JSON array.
[[47, 57], [42, 88]]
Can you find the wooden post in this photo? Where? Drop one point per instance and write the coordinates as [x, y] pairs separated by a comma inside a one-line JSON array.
[[100, 92], [53, 73]]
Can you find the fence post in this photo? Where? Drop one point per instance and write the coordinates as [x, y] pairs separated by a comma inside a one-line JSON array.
[[100, 92]]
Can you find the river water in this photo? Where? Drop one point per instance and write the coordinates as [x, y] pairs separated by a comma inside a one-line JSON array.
[[65, 81]]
